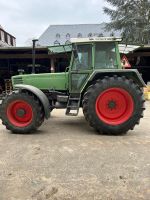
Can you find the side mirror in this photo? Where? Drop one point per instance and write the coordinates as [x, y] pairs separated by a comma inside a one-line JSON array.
[[67, 69]]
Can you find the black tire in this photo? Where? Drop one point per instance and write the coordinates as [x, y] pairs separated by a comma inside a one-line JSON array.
[[95, 92], [32, 105]]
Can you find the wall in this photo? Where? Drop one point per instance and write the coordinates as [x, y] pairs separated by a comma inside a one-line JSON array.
[[6, 39]]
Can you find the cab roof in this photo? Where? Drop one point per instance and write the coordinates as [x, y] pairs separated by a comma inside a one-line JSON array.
[[95, 39]]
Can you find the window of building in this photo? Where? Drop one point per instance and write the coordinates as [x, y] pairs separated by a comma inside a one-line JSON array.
[[90, 35], [79, 35], [95, 34], [2, 35], [101, 35], [9, 41], [6, 38], [112, 34], [14, 42], [67, 36], [57, 36], [56, 43], [67, 42]]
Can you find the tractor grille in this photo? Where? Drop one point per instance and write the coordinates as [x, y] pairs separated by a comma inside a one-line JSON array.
[[17, 80]]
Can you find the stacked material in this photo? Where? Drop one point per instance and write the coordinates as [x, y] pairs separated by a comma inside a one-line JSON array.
[[147, 92]]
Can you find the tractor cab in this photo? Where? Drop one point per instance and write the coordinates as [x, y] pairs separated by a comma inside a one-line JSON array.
[[95, 53], [89, 55]]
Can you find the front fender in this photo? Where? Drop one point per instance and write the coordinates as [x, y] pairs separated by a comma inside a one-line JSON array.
[[39, 94]]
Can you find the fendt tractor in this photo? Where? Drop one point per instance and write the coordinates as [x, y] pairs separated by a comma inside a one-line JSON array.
[[111, 97]]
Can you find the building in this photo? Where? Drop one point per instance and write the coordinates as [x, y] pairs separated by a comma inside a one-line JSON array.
[[61, 34], [6, 39], [140, 59], [16, 60]]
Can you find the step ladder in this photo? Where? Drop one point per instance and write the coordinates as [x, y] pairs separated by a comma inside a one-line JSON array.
[[73, 104]]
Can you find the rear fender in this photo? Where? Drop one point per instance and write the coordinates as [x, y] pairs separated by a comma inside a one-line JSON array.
[[129, 73]]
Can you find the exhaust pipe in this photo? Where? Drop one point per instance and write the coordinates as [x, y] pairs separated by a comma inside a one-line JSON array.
[[33, 55]]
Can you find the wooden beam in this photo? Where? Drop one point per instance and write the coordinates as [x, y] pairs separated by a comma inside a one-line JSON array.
[[29, 56], [135, 54], [22, 56]]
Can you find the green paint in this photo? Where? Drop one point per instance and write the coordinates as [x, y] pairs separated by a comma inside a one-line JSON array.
[[48, 81]]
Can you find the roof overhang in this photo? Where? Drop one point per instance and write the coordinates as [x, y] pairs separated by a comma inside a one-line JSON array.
[[60, 49], [125, 49], [13, 48]]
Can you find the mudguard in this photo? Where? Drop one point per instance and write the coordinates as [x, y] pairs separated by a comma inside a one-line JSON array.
[[39, 94], [129, 73]]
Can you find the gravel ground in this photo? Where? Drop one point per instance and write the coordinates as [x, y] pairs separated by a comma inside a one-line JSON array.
[[68, 160]]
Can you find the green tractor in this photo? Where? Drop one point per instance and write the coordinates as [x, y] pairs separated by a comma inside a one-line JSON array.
[[111, 97]]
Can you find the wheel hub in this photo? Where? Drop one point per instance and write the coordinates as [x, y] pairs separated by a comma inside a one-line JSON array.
[[112, 105], [21, 112]]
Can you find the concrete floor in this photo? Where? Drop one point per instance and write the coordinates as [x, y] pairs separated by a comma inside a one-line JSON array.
[[67, 160]]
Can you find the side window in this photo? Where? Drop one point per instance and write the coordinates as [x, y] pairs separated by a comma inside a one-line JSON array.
[[84, 59], [105, 55]]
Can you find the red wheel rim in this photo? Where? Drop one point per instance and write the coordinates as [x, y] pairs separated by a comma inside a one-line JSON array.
[[114, 106], [19, 113]]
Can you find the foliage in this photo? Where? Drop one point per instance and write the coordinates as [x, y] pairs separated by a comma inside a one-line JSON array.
[[131, 17]]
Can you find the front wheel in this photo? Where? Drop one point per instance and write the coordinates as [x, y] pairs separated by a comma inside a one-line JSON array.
[[113, 105], [21, 113]]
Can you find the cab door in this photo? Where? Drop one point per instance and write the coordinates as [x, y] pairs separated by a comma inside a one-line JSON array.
[[81, 67]]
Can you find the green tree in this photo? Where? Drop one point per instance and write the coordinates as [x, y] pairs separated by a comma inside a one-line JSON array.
[[131, 17]]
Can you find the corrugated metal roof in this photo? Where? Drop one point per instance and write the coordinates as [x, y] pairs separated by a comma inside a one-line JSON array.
[[62, 33]]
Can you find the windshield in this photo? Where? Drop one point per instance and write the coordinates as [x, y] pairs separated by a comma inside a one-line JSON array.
[[105, 55]]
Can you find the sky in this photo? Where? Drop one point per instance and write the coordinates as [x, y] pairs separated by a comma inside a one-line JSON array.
[[30, 18]]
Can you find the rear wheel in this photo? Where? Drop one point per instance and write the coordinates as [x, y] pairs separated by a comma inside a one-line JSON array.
[[113, 105], [21, 113]]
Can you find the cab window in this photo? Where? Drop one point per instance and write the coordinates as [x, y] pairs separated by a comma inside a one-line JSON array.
[[84, 59], [105, 55]]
